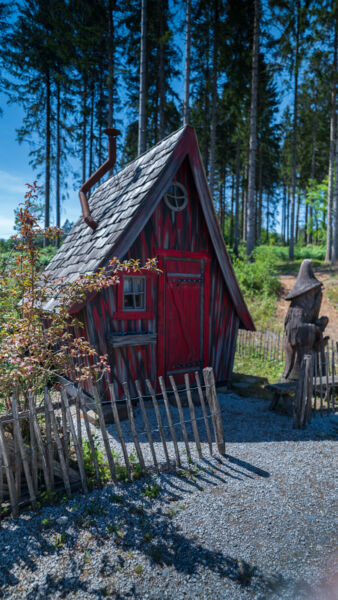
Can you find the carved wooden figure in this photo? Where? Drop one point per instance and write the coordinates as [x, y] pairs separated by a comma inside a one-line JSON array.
[[303, 327]]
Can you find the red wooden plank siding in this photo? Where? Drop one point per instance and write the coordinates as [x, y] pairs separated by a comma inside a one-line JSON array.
[[184, 231]]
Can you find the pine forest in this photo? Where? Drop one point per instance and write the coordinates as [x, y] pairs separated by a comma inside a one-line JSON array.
[[255, 78]]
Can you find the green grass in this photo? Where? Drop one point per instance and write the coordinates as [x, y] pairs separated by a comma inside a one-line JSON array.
[[256, 373]]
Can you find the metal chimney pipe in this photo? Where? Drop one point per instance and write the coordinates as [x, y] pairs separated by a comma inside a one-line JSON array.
[[110, 162]]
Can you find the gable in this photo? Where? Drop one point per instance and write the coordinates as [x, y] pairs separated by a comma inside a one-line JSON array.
[[124, 204]]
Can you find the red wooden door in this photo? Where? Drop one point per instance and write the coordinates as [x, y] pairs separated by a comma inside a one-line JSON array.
[[183, 313]]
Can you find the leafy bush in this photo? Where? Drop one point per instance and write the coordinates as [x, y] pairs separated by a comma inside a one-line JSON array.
[[258, 276], [34, 348]]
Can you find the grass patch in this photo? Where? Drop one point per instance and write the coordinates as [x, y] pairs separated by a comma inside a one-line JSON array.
[[256, 373]]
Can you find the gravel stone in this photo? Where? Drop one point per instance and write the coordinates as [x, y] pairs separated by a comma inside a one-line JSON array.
[[259, 523]]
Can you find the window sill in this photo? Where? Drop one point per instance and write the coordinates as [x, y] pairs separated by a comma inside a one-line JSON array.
[[130, 339], [133, 314]]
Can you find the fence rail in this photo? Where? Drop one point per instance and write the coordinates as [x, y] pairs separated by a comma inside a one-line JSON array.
[[316, 388], [53, 446], [268, 344]]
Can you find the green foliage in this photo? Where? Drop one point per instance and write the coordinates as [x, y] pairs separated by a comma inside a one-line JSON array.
[[32, 348], [89, 464], [151, 490], [258, 282], [121, 472], [257, 276], [316, 196]]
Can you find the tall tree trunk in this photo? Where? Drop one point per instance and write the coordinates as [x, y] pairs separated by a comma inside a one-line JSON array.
[[260, 194], [213, 101], [142, 119], [312, 175], [334, 257], [58, 160], [284, 214], [294, 137], [47, 151], [84, 129], [91, 130], [187, 63], [332, 147], [253, 134], [306, 224], [297, 214], [238, 167], [232, 214], [267, 217], [111, 74], [161, 74], [100, 149]]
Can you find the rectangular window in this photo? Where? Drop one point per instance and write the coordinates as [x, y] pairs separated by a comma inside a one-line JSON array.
[[134, 293]]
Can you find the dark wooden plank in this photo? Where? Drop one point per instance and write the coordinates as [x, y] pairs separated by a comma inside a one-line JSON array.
[[23, 452]]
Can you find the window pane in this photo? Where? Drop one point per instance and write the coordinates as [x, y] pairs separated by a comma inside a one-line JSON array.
[[127, 284], [139, 300], [128, 301], [138, 285]]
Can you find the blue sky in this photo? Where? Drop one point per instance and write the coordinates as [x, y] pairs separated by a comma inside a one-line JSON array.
[[15, 171]]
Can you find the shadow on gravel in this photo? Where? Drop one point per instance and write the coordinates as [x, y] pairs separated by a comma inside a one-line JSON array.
[[130, 523]]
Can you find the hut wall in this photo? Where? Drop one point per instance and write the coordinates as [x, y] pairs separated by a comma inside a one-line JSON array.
[[184, 231]]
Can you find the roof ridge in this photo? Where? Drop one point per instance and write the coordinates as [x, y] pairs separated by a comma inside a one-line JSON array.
[[182, 128]]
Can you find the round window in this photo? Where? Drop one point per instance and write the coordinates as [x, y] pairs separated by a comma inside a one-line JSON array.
[[176, 197]]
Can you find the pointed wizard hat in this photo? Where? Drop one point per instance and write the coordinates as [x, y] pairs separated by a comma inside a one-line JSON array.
[[305, 281]]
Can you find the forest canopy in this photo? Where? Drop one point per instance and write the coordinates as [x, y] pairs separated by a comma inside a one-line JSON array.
[[256, 78]]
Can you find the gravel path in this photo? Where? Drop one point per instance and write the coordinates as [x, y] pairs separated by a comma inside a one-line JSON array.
[[259, 523]]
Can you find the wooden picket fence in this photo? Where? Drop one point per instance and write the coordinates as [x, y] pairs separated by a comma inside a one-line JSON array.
[[316, 390], [268, 344], [42, 448]]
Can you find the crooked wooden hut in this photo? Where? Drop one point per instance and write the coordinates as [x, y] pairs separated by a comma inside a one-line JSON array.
[[160, 206]]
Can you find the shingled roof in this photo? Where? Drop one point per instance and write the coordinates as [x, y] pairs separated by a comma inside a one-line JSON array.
[[113, 205], [122, 205]]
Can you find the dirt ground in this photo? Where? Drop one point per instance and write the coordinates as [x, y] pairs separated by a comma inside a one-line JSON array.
[[327, 309]]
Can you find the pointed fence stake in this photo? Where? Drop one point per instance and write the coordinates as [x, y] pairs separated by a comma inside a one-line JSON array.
[[215, 409], [170, 421], [104, 431], [90, 439], [9, 474], [59, 448], [204, 410], [181, 415], [159, 422], [132, 425], [23, 453], [39, 440], [146, 424], [193, 415], [78, 449]]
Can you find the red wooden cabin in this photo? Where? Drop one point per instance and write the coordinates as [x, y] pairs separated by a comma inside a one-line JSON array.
[[180, 321]]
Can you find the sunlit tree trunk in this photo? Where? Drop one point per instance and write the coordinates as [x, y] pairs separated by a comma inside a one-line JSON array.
[[142, 121], [332, 149], [213, 101], [238, 166], [58, 159], [187, 63], [48, 150], [294, 137], [253, 134]]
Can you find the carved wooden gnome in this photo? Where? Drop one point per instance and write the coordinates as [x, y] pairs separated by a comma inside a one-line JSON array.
[[303, 327]]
